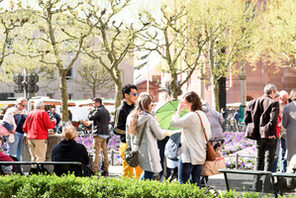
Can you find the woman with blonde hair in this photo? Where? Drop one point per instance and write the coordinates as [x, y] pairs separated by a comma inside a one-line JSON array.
[[140, 122], [193, 140], [69, 150]]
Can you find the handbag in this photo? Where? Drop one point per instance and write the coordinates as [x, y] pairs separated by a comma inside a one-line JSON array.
[[211, 154], [130, 156], [211, 167]]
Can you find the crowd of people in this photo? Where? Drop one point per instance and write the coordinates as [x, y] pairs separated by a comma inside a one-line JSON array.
[[133, 119], [269, 120]]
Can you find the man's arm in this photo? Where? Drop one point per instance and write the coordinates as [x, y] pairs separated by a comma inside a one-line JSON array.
[[49, 124], [119, 122], [248, 113], [274, 113], [93, 115]]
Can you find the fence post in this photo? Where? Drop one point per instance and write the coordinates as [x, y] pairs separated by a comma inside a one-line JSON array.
[[236, 161], [112, 157]]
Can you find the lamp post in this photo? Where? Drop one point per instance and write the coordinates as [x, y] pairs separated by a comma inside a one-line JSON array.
[[243, 85], [25, 83]]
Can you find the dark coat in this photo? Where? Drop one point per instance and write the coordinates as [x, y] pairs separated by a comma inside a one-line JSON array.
[[101, 120], [120, 119], [70, 151], [261, 118]]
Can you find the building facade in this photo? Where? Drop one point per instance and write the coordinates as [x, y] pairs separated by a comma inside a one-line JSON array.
[[50, 87]]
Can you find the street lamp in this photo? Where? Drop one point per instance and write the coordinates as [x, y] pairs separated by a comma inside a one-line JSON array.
[[25, 83]]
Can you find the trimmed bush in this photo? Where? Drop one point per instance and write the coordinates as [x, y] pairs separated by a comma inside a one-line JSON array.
[[71, 186]]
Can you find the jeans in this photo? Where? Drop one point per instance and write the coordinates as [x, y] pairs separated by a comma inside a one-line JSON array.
[[186, 170], [15, 148], [283, 163], [146, 175], [161, 146], [265, 150]]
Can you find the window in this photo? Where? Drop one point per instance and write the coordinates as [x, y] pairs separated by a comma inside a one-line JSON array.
[[69, 75], [9, 43], [50, 95], [156, 79], [86, 96], [6, 95], [70, 96]]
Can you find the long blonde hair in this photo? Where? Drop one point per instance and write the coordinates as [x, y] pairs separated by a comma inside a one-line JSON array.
[[143, 104]]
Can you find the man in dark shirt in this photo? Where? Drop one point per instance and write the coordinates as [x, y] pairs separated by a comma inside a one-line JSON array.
[[130, 95], [53, 114], [261, 120], [100, 131]]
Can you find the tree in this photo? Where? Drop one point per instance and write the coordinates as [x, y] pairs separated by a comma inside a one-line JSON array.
[[277, 43], [178, 43], [57, 38], [112, 40], [11, 22], [227, 27], [93, 76]]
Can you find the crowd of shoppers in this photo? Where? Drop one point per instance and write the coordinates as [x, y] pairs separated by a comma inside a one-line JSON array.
[[269, 120]]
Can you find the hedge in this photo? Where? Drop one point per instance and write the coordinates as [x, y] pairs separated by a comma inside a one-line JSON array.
[[71, 186]]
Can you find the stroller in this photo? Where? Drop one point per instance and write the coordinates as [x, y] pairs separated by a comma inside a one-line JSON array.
[[172, 154]]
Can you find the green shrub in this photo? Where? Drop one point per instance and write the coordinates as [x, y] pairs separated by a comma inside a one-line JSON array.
[[71, 186]]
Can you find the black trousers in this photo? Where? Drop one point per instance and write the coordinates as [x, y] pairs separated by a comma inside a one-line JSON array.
[[265, 151]]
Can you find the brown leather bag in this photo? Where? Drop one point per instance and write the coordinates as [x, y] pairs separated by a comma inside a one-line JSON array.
[[211, 154]]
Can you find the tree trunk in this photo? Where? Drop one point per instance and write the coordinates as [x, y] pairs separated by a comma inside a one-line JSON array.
[[214, 82], [64, 97], [173, 86], [118, 87], [202, 85], [94, 90], [118, 94], [215, 94]]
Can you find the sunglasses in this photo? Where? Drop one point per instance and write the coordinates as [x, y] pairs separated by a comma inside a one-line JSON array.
[[134, 94], [22, 104]]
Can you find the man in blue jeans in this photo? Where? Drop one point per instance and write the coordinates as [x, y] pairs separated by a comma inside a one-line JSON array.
[[13, 121]]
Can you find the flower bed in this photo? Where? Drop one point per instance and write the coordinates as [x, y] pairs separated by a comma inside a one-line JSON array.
[[113, 144], [235, 143]]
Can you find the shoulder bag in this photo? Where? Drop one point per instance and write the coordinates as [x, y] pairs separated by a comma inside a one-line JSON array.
[[211, 154], [130, 156]]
